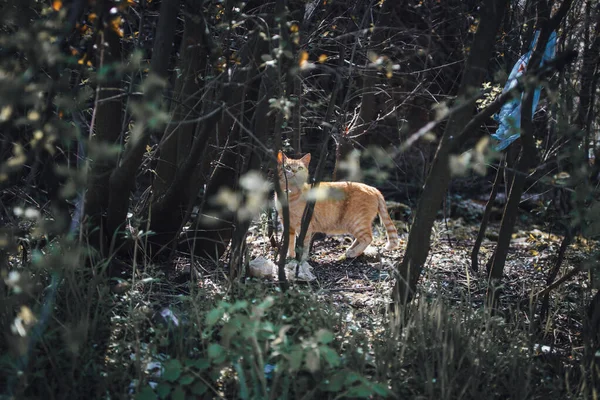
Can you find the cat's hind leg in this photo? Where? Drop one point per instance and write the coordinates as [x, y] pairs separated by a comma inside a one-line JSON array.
[[360, 244]]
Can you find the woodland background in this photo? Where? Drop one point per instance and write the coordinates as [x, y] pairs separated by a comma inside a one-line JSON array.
[[137, 143]]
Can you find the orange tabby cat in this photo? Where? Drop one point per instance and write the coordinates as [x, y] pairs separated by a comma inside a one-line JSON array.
[[350, 207]]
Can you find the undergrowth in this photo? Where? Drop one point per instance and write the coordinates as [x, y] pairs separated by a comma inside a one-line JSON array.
[[151, 338]]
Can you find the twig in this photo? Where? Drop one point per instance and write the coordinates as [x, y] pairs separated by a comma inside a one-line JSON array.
[[350, 289], [310, 204], [559, 282]]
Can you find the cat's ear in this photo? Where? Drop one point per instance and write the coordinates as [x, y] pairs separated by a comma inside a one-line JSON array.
[[306, 159], [280, 157]]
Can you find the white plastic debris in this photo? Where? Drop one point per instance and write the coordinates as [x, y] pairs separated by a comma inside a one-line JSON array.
[[262, 267], [543, 348], [304, 273], [153, 368], [168, 315]]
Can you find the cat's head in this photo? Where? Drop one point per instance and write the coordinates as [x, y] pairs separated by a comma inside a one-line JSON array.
[[294, 171]]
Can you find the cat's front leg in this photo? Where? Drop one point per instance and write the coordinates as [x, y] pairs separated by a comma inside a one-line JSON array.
[[306, 245], [292, 247]]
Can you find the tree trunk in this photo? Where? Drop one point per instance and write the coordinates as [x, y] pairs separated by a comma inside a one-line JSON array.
[[495, 265], [590, 64], [106, 126], [439, 177], [370, 107], [591, 335], [486, 216], [527, 157], [122, 179], [210, 239], [255, 151], [177, 138], [591, 60]]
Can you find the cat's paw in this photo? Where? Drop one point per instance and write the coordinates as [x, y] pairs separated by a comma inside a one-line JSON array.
[[342, 258], [371, 252], [391, 245], [351, 253]]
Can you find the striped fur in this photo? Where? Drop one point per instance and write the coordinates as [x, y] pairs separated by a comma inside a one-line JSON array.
[[349, 207]]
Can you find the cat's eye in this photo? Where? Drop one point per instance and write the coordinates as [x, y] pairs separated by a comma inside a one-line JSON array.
[[288, 168], [300, 168]]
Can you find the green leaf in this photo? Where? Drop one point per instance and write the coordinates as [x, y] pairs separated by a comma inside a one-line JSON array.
[[199, 388], [186, 380], [215, 374], [201, 364], [324, 336], [361, 390], [178, 394], [267, 302], [189, 362], [335, 383], [244, 393], [172, 370], [231, 328], [103, 71], [312, 360], [146, 394], [330, 356], [215, 350], [163, 389], [268, 330], [239, 305], [350, 378], [214, 316], [296, 357]]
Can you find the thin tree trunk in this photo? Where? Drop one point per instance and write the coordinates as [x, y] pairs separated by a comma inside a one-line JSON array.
[[591, 334], [255, 150], [439, 177], [527, 157], [212, 238], [495, 266], [178, 137], [170, 211], [512, 154], [486, 216], [591, 60], [106, 126], [554, 272], [318, 176], [122, 179], [370, 107], [319, 170]]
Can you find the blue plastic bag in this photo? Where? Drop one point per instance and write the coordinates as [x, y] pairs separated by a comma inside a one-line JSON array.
[[509, 116]]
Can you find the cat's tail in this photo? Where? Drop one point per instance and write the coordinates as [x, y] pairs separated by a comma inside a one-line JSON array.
[[390, 228]]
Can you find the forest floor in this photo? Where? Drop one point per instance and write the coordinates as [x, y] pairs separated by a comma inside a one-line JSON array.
[[361, 288], [349, 298]]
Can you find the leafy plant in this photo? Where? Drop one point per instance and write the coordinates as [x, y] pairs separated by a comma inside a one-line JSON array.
[[257, 358]]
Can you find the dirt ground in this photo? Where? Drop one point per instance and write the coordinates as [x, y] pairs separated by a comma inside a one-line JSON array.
[[363, 285]]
